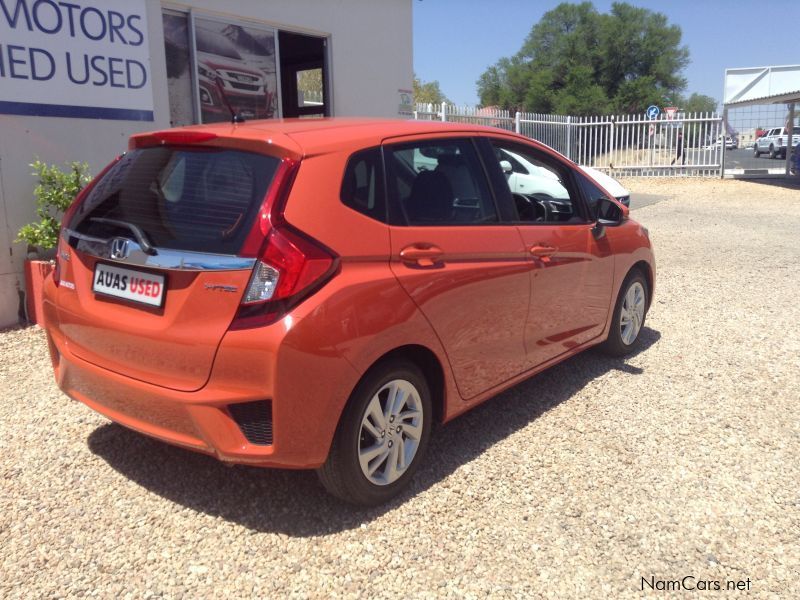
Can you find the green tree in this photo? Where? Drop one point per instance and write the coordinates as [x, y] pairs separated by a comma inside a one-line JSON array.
[[697, 103], [578, 61], [696, 134], [310, 80], [492, 84], [428, 92]]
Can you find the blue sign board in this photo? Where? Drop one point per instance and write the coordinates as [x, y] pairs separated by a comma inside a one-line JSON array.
[[82, 59], [653, 112]]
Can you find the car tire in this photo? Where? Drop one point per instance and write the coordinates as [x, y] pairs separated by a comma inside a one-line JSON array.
[[374, 436], [756, 153], [629, 315], [771, 151]]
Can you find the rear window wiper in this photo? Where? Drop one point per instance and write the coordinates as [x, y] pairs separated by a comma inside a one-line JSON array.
[[141, 238]]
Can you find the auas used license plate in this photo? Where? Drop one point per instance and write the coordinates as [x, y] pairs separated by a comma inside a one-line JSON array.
[[137, 286]]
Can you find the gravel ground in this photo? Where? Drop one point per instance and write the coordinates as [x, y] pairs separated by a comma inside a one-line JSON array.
[[680, 461]]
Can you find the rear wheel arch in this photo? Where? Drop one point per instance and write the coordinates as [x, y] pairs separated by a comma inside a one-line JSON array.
[[430, 365], [347, 472]]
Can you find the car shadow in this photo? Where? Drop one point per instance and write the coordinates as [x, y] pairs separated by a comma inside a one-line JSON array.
[[294, 503]]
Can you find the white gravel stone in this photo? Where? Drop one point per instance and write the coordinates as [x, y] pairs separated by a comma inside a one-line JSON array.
[[681, 460]]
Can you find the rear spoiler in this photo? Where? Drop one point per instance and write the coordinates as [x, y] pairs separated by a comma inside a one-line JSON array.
[[231, 137]]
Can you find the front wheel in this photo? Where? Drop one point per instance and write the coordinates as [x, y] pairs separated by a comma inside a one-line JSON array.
[[756, 153], [629, 314], [382, 436]]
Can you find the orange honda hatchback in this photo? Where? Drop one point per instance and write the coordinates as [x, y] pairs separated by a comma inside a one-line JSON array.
[[316, 293]]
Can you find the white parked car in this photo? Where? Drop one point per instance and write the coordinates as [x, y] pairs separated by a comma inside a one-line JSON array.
[[731, 143], [526, 178], [773, 143]]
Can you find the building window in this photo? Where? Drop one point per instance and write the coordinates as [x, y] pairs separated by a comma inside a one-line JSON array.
[[179, 69], [235, 70]]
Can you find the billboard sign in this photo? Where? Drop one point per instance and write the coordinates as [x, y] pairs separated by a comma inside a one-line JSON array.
[[81, 59], [235, 70]]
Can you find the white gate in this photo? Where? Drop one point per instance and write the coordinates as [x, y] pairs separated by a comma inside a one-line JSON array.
[[677, 145]]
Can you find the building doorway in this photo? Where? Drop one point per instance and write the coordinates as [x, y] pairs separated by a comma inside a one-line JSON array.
[[304, 75]]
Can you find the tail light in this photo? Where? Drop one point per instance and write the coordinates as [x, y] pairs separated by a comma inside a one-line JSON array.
[[290, 267]]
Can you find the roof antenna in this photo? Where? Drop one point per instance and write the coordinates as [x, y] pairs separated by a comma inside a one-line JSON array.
[[235, 116]]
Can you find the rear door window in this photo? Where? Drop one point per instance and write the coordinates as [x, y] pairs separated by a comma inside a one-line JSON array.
[[439, 182], [195, 199]]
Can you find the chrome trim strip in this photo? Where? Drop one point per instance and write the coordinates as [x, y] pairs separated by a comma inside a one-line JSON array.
[[165, 258]]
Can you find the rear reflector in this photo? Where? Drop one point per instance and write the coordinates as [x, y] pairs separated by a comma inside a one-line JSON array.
[[254, 420]]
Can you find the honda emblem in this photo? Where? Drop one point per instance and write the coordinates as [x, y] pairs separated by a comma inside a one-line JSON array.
[[119, 248]]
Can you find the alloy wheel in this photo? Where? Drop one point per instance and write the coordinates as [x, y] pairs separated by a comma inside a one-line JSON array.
[[632, 316], [390, 433]]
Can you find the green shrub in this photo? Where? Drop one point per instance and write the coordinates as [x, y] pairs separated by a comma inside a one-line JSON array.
[[54, 193]]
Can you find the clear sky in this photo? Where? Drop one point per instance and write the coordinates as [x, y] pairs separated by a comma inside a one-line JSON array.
[[455, 40]]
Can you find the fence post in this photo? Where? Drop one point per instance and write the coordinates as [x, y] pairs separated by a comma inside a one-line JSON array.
[[724, 135], [611, 142], [517, 125], [444, 111], [789, 139], [569, 137]]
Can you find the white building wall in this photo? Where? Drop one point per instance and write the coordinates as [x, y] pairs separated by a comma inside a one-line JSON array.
[[370, 60]]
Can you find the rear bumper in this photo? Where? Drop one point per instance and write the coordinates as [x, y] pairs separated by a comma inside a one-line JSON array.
[[196, 420], [304, 408]]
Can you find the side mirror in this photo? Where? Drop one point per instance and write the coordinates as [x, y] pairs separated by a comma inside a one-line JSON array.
[[599, 230], [610, 213], [506, 166]]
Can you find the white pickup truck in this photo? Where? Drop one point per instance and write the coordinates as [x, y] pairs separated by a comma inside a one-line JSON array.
[[773, 142]]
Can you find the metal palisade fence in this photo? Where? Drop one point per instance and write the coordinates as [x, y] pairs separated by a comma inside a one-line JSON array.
[[676, 144]]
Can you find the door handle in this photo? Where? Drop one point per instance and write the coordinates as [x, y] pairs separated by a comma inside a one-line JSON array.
[[542, 251], [425, 255]]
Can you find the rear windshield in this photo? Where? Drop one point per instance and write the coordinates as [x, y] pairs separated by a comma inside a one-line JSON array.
[[201, 199]]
